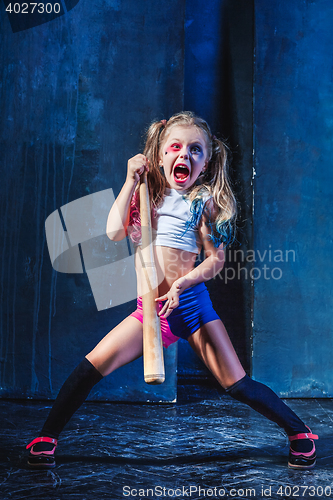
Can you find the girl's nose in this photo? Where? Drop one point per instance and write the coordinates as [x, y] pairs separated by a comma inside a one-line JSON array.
[[184, 154]]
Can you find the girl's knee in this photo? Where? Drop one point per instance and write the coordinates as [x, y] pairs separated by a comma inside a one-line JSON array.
[[232, 383], [96, 361], [230, 380]]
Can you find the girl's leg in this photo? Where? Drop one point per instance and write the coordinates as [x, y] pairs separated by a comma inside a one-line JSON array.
[[212, 344], [119, 347]]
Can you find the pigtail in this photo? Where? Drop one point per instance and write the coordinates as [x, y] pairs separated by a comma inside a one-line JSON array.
[[156, 180], [216, 176], [220, 183]]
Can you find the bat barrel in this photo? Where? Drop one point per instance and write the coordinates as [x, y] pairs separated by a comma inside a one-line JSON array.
[[152, 338]]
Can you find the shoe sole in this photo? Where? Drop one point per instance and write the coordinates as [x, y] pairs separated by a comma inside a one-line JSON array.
[[294, 466], [41, 466], [41, 462]]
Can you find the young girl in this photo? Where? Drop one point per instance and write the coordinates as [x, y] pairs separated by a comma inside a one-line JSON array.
[[193, 207]]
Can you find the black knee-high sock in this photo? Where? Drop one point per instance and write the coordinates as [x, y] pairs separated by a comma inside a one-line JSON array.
[[262, 399], [71, 396]]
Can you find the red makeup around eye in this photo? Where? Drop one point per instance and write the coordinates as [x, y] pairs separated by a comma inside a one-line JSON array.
[[173, 147]]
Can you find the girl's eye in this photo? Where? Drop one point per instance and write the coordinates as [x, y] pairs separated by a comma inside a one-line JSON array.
[[175, 146], [196, 149]]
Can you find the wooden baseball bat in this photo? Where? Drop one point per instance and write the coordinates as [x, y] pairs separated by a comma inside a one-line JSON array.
[[153, 361]]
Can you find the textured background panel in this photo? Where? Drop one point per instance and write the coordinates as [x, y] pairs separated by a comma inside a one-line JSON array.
[[292, 336]]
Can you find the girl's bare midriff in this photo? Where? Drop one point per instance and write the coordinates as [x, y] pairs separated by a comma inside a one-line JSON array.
[[171, 264]]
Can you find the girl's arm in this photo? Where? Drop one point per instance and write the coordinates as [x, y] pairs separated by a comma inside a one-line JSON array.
[[118, 218], [210, 267]]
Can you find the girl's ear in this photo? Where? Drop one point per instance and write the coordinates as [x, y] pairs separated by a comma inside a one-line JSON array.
[[160, 161]]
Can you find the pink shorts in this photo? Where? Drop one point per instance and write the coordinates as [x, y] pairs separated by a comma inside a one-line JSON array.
[[167, 336]]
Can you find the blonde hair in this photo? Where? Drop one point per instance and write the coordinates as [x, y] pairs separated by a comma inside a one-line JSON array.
[[214, 181]]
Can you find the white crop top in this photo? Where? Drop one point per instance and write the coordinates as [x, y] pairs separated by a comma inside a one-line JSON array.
[[177, 226], [172, 230]]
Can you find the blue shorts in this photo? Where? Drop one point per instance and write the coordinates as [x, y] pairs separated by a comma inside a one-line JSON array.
[[195, 310]]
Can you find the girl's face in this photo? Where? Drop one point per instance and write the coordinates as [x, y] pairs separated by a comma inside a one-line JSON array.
[[183, 156]]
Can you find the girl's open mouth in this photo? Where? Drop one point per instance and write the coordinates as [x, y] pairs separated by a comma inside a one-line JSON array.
[[181, 173]]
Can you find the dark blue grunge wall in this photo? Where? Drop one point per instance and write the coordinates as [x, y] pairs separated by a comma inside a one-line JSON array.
[[76, 95], [293, 130]]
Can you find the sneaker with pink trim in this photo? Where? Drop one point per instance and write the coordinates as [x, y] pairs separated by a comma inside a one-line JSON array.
[[302, 460], [42, 452]]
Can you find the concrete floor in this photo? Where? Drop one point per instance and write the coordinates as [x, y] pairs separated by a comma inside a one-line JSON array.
[[206, 440]]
